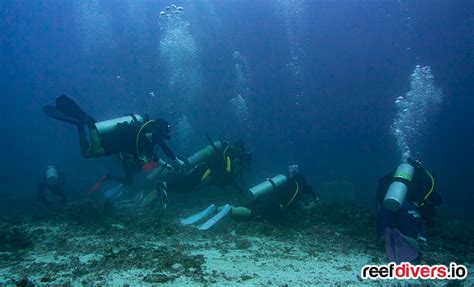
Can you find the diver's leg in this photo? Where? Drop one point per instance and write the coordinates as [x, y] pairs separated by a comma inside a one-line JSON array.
[[84, 143], [127, 169], [240, 212], [128, 178], [92, 148], [96, 147]]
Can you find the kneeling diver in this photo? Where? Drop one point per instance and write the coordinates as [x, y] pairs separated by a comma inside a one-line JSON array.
[[271, 200], [133, 137], [408, 198]]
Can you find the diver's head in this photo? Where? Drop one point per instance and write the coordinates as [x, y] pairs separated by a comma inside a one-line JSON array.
[[293, 169], [52, 175], [162, 129], [240, 155], [239, 144]]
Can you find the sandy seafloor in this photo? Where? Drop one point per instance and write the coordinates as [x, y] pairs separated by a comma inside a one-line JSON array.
[[87, 245]]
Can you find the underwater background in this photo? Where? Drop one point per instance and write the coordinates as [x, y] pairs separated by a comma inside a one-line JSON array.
[[344, 89], [312, 83]]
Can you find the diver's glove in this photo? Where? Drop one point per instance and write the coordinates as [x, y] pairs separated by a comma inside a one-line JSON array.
[[422, 241], [179, 163], [179, 166]]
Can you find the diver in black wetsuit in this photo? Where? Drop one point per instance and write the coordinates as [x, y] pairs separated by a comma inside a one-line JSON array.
[[406, 216], [220, 163], [272, 199], [132, 137], [277, 195], [52, 187]]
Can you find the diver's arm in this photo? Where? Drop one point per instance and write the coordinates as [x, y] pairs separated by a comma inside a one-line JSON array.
[[84, 143], [127, 170], [164, 147]]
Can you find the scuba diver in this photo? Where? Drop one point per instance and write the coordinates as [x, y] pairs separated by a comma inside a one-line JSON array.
[[132, 137], [219, 163], [271, 200], [407, 198], [52, 187]]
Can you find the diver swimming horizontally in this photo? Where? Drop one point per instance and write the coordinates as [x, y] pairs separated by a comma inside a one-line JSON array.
[[271, 200], [133, 137]]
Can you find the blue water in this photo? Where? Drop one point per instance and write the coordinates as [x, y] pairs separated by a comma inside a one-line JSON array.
[[317, 84]]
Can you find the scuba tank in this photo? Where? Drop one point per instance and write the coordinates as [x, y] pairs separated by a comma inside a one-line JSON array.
[[398, 189], [122, 134], [204, 154], [161, 172], [108, 128], [52, 175], [268, 185]]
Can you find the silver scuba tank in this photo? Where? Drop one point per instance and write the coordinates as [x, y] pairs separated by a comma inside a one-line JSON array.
[[204, 154], [52, 175], [162, 172], [268, 185], [108, 127], [398, 189]]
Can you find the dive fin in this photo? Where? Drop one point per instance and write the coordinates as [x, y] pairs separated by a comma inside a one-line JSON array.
[[398, 248], [67, 110], [198, 216], [71, 109], [57, 114], [404, 251], [389, 245], [114, 192], [208, 224]]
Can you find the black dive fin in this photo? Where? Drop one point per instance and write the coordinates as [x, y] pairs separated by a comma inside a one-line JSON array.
[[68, 107], [57, 114]]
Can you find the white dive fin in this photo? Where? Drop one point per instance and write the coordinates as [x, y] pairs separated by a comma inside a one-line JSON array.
[[208, 224], [199, 216], [114, 191]]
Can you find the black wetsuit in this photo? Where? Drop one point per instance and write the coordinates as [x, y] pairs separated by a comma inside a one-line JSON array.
[[124, 140], [274, 204], [127, 148], [222, 169], [58, 190], [422, 185], [417, 210]]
